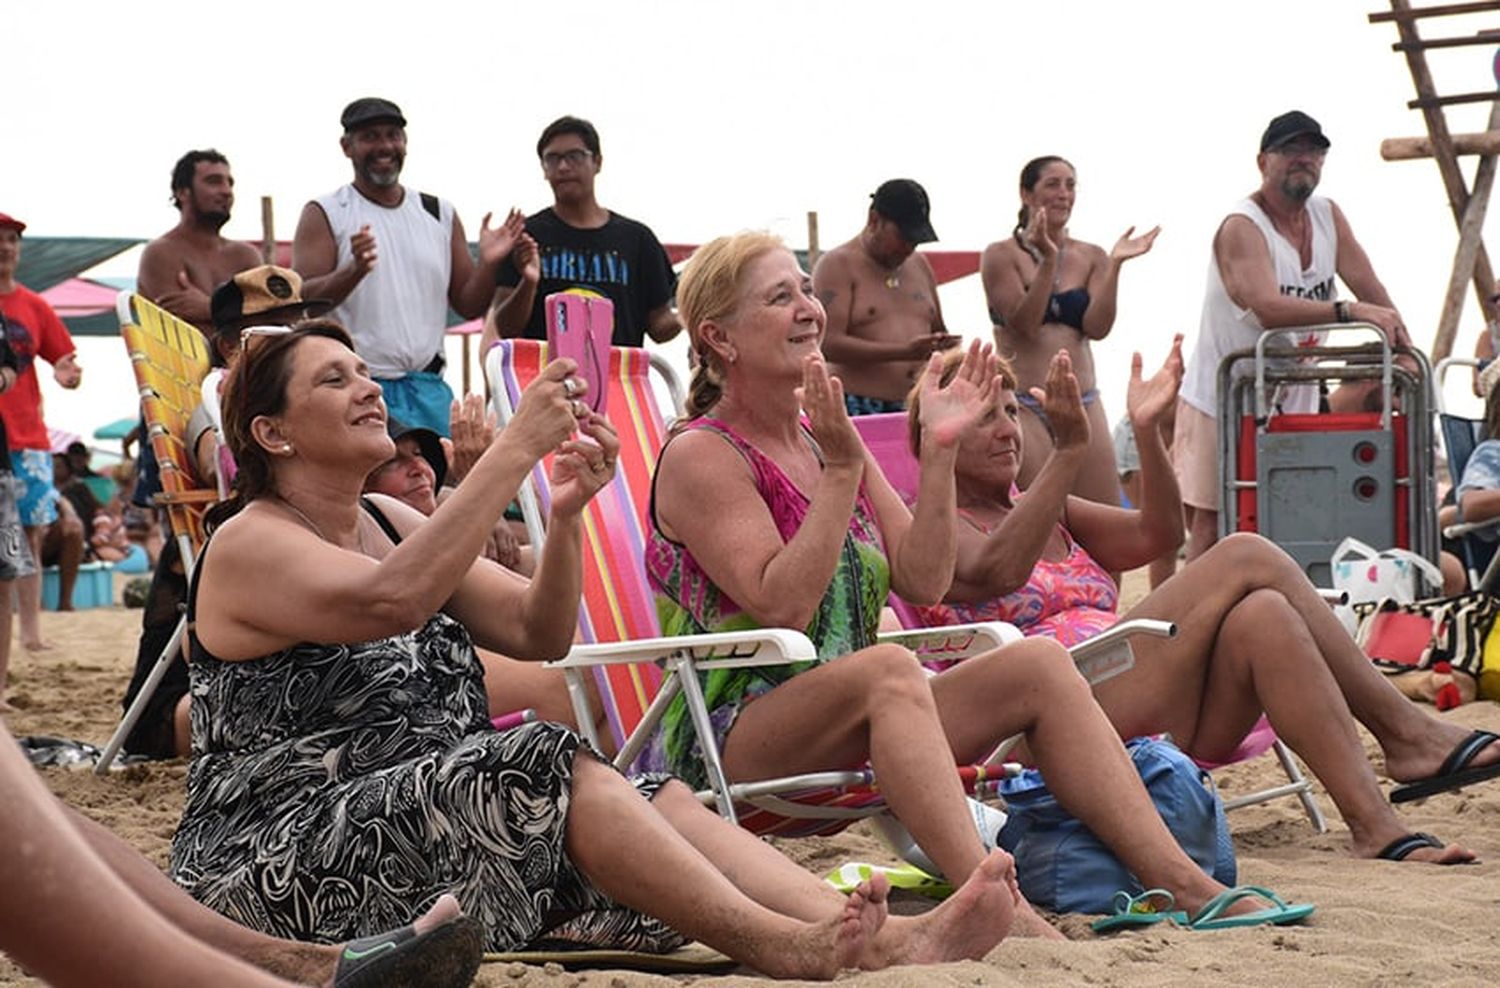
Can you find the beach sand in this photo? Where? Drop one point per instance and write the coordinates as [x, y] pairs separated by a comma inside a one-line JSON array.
[[1376, 924]]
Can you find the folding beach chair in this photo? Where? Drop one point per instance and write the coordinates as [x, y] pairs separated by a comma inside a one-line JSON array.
[[637, 671], [169, 358], [1476, 540], [1106, 654]]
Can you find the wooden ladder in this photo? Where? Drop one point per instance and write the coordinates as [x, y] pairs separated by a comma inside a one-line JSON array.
[[1471, 262]]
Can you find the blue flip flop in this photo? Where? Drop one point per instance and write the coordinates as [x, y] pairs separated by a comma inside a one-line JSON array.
[[1455, 772], [1211, 916], [1147, 909]]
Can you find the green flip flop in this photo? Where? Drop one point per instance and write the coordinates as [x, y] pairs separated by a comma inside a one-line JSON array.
[[1147, 909], [1211, 916]]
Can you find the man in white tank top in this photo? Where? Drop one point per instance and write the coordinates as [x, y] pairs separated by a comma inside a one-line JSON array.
[[397, 309], [1274, 261]]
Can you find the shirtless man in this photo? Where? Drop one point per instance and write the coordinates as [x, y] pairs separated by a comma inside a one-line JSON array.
[[180, 269], [884, 319]]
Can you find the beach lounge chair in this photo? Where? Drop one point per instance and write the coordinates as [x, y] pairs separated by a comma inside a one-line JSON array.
[[637, 671], [1461, 435], [170, 359], [1108, 653]]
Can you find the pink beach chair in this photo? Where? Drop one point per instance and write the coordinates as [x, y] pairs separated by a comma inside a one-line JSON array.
[[637, 671]]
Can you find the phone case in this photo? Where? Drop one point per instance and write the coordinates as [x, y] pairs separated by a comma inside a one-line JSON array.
[[580, 327]]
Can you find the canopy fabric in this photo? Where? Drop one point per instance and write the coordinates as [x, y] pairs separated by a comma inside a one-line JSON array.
[[947, 265], [49, 261]]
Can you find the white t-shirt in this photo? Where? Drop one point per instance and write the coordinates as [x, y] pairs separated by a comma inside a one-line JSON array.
[[1225, 328]]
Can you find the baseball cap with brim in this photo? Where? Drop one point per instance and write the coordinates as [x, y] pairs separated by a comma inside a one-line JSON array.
[[1288, 127], [904, 202], [368, 110], [264, 295], [428, 444], [9, 222]]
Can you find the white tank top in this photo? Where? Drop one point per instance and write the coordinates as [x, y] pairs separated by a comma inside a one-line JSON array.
[[397, 314], [1225, 327]]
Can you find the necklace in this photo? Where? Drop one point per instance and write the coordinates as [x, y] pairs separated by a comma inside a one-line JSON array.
[[358, 529], [893, 280]]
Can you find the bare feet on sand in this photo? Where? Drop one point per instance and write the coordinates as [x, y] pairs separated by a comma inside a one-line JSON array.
[[966, 926]]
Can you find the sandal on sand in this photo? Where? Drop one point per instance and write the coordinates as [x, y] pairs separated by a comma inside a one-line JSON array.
[[1133, 911], [1211, 917], [1454, 772], [1400, 848], [445, 957]]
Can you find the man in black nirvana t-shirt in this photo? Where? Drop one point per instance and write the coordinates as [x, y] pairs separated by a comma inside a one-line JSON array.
[[577, 243]]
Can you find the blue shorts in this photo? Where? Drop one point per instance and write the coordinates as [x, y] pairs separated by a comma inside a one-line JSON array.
[[860, 405], [37, 499], [419, 399]]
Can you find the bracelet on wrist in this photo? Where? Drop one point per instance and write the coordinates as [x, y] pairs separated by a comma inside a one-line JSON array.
[[1341, 311]]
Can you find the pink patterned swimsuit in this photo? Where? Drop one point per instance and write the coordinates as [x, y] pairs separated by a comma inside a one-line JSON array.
[[1070, 599]]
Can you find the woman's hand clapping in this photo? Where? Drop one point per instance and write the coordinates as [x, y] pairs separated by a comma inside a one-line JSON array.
[[1148, 402], [1062, 404]]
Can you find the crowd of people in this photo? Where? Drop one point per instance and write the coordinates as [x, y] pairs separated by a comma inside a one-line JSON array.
[[363, 605]]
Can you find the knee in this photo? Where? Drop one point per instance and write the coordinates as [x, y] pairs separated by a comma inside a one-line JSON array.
[[1259, 612], [1253, 558], [1040, 661], [890, 673]]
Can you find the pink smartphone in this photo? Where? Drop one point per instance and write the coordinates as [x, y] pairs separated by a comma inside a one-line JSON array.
[[580, 327]]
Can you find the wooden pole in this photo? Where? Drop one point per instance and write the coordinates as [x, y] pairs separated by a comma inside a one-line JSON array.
[[268, 231], [1409, 148], [1483, 277], [812, 239], [1470, 242]]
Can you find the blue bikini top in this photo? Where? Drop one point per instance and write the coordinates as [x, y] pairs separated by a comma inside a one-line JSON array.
[[1068, 307]]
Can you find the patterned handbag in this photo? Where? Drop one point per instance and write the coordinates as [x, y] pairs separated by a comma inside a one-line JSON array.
[[1401, 638]]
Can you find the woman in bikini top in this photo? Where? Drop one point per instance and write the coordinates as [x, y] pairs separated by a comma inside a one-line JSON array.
[[1047, 292]]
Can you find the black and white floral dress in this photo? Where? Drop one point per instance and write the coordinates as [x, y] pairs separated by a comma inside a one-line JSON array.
[[337, 790]]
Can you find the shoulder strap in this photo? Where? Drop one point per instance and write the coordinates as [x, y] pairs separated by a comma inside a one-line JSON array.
[[381, 520], [430, 203]]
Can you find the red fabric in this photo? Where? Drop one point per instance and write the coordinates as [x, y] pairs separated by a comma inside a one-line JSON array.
[[35, 331]]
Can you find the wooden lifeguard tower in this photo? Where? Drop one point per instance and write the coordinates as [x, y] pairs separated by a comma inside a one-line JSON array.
[[1471, 262]]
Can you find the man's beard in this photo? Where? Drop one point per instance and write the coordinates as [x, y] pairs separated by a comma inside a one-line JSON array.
[[1298, 188], [386, 176], [215, 220]]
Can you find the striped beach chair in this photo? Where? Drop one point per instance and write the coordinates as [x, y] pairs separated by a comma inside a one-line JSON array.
[[637, 671], [170, 360]]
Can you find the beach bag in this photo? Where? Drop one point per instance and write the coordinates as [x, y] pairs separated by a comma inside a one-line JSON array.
[[1063, 867], [1368, 575], [1400, 637], [1489, 666]]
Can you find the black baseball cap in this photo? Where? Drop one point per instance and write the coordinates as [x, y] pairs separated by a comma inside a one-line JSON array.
[[904, 202], [1292, 124], [368, 110], [428, 443]]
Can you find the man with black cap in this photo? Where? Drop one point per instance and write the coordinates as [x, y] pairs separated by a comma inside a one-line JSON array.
[[180, 268], [1274, 263], [884, 319], [393, 260]]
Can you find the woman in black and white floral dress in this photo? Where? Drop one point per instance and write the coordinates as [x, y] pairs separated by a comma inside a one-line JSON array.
[[344, 770]]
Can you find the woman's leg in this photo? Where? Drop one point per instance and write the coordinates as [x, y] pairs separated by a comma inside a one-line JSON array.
[[965, 926], [1032, 687], [69, 919], [874, 705], [1255, 636], [630, 853]]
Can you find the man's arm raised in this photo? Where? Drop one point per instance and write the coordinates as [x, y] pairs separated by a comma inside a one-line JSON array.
[[315, 256]]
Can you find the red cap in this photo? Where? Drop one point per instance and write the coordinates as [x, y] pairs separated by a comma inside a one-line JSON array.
[[9, 222]]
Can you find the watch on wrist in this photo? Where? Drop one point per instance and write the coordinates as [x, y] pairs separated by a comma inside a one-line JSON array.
[[1341, 311]]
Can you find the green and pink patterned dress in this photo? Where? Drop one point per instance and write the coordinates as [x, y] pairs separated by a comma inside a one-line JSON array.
[[688, 602]]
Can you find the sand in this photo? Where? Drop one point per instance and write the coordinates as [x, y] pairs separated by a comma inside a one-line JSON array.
[[1376, 924]]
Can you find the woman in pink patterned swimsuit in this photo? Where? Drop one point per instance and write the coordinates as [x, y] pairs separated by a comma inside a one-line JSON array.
[[1255, 636]]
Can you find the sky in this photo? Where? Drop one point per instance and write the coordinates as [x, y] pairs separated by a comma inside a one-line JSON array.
[[719, 116]]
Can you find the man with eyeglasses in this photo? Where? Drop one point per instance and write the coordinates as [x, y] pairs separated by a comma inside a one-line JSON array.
[[577, 243], [393, 260], [1274, 263]]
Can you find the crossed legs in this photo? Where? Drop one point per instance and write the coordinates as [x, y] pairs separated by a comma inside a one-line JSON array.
[[1255, 636]]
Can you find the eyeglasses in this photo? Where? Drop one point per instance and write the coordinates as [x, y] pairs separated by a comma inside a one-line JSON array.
[[253, 333], [552, 161], [1302, 150]]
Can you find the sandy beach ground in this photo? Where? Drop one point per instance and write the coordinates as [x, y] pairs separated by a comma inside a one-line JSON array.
[[1376, 924]]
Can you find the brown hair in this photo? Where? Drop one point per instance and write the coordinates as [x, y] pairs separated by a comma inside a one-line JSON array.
[[1031, 173], [709, 289], [947, 371], [256, 386]]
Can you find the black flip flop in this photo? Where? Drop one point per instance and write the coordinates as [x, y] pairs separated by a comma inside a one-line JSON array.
[[1401, 847], [1454, 773], [445, 957]]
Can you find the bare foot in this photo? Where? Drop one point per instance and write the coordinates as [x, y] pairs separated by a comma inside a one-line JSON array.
[[6, 708], [36, 645], [821, 950], [1029, 924], [964, 927]]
